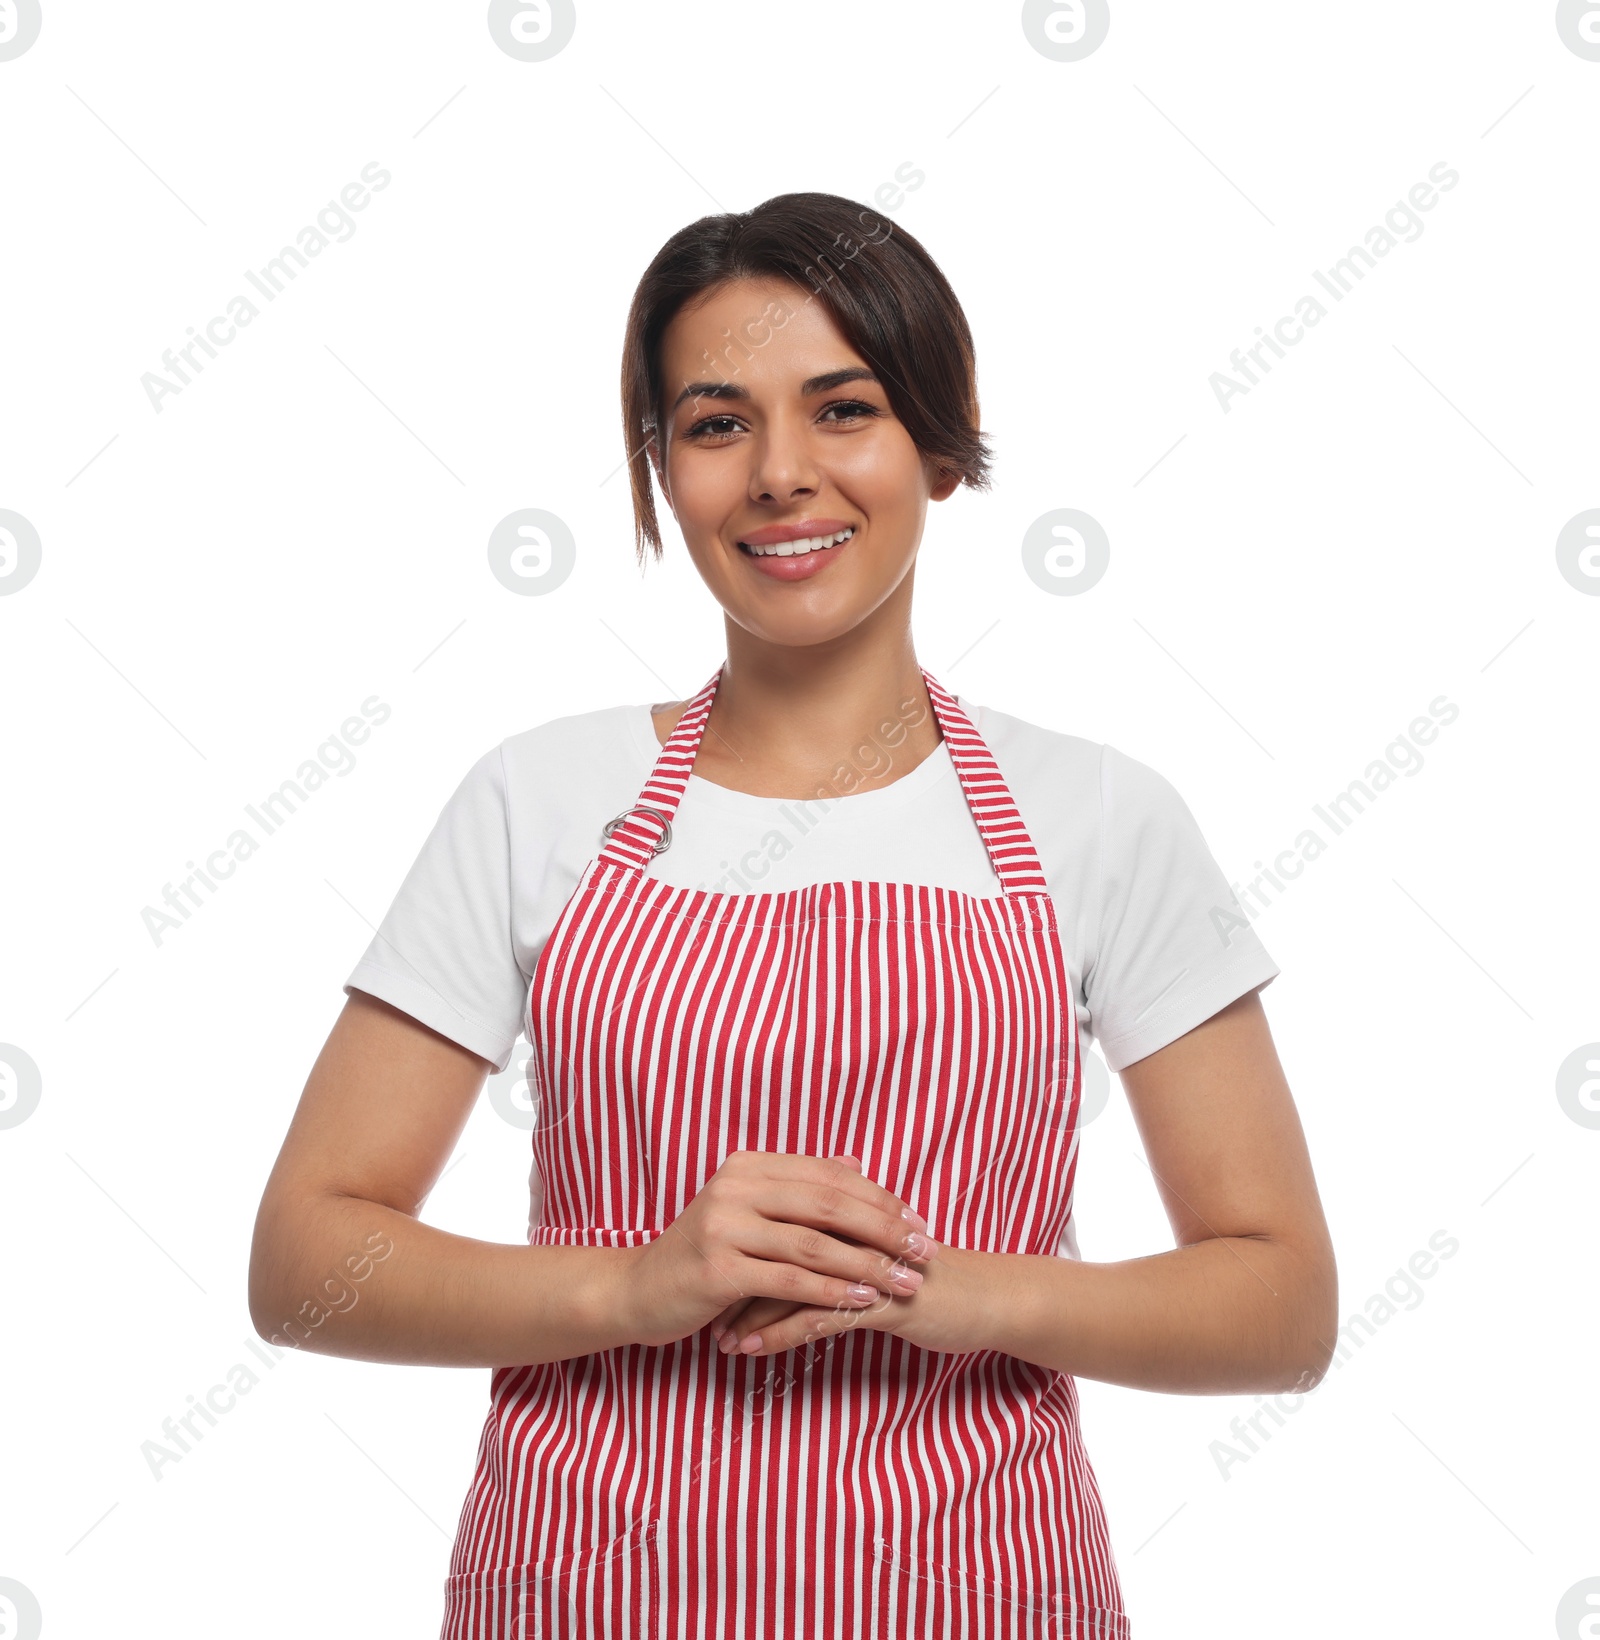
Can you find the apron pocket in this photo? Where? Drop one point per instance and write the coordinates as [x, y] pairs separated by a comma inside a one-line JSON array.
[[911, 1594], [607, 1587]]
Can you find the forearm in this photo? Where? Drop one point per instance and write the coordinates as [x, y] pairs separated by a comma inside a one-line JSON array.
[[1226, 1316], [339, 1275]]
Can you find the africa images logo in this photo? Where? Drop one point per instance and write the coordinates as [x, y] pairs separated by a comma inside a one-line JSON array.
[[20, 21], [1402, 225], [334, 225]]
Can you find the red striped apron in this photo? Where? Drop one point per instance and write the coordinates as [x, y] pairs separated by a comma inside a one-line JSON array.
[[861, 1485]]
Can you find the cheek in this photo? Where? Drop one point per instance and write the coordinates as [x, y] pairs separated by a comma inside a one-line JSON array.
[[884, 479], [704, 489]]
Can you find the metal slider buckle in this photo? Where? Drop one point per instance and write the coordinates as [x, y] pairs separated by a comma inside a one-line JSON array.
[[643, 808]]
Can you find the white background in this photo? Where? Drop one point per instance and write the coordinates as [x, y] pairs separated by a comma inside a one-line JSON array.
[[1291, 582]]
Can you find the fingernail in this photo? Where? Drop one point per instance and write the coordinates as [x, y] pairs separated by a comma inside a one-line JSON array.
[[916, 1244], [916, 1218], [908, 1278], [859, 1289], [752, 1343]]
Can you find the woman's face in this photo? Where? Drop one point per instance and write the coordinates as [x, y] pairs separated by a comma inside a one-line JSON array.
[[764, 436]]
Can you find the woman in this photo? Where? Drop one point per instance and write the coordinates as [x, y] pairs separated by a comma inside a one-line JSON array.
[[801, 961]]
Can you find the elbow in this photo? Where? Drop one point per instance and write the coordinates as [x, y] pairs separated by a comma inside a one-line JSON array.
[[262, 1305], [1302, 1372], [298, 1279], [1312, 1335], [267, 1277], [274, 1314], [260, 1294]]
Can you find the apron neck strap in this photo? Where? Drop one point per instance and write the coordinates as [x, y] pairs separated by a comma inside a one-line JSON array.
[[638, 830], [999, 823]]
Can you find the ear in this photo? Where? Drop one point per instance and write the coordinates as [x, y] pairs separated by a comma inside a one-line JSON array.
[[945, 484]]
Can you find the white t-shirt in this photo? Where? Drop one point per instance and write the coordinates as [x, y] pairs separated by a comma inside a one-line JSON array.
[[1155, 941]]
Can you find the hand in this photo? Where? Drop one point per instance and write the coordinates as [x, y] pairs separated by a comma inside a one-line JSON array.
[[957, 1308], [744, 1317], [742, 1327], [768, 1225], [739, 1328]]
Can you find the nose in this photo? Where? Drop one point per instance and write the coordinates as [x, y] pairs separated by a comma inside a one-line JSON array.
[[782, 465]]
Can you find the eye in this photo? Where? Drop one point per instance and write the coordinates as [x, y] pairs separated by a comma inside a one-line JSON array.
[[855, 408], [702, 428], [719, 429]]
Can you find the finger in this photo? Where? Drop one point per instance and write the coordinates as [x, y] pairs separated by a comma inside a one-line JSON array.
[[763, 1311], [846, 1260], [858, 1211], [897, 1203], [738, 1308], [777, 1325], [809, 1325], [754, 1318], [839, 1173], [745, 1313], [844, 1218], [746, 1338], [801, 1283], [905, 1207]]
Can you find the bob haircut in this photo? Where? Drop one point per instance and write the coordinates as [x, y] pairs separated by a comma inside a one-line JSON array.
[[886, 295]]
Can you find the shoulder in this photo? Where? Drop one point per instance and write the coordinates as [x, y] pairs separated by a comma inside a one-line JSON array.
[[560, 773], [577, 738], [558, 764]]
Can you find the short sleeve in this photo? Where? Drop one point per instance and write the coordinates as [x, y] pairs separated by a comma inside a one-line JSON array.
[[1174, 945], [444, 952]]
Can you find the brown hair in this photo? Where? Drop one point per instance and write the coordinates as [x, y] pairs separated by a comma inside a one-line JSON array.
[[886, 294]]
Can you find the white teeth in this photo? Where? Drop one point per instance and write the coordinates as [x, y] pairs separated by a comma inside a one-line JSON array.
[[813, 543]]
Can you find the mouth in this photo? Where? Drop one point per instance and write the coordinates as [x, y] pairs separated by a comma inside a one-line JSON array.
[[800, 548]]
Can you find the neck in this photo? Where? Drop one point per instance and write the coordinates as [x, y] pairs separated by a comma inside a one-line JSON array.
[[821, 720]]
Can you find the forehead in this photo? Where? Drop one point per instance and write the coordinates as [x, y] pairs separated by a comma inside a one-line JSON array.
[[765, 334]]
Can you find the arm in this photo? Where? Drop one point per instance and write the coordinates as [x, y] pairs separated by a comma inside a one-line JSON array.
[[1246, 1302], [1248, 1299], [340, 1264]]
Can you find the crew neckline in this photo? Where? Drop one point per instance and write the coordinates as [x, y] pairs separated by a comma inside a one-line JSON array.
[[933, 769]]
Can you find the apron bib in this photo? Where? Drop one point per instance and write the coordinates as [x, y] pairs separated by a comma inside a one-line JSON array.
[[860, 1485]]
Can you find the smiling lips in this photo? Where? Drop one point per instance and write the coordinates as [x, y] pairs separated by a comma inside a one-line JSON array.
[[796, 552], [798, 545]]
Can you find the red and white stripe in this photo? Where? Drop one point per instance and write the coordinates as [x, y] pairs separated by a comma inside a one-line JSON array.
[[863, 1485]]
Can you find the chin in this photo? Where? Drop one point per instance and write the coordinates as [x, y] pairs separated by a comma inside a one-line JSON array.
[[800, 635]]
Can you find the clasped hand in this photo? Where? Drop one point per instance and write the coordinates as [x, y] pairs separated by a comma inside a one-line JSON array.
[[777, 1250]]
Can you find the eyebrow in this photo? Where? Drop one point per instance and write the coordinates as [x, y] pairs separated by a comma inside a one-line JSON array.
[[732, 390]]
